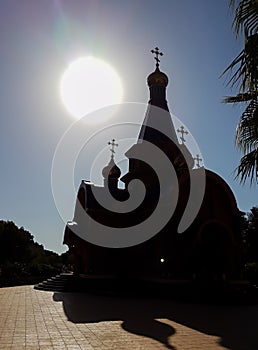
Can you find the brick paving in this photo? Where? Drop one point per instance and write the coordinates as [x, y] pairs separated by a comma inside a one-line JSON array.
[[31, 319]]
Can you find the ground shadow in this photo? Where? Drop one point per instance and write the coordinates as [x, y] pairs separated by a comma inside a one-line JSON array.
[[138, 318], [235, 325]]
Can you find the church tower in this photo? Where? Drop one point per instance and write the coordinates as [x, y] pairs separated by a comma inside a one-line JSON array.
[[158, 129], [157, 117]]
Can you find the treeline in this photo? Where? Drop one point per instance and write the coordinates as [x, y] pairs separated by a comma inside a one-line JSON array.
[[250, 245], [23, 261]]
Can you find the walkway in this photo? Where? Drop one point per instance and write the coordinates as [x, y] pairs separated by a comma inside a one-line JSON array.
[[31, 319]]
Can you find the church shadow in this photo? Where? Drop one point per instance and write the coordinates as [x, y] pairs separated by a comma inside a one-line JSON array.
[[236, 326], [136, 314]]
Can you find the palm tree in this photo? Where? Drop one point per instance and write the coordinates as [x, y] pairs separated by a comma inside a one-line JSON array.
[[244, 75]]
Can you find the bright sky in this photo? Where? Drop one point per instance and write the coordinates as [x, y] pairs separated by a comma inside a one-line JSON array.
[[38, 41]]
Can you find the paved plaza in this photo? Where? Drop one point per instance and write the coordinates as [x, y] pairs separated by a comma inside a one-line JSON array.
[[32, 319]]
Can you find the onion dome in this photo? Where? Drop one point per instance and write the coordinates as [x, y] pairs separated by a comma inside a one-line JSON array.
[[111, 170], [157, 78], [184, 158]]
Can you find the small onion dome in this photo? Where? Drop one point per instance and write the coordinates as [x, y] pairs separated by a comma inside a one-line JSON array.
[[157, 78], [185, 156], [111, 170]]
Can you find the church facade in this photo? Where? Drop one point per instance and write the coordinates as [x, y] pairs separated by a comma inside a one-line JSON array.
[[209, 247]]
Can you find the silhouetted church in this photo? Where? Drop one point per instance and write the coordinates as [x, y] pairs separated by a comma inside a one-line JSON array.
[[208, 248]]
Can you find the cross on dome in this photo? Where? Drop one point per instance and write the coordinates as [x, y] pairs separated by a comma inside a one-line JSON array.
[[112, 149], [111, 171], [198, 160], [182, 131], [157, 54]]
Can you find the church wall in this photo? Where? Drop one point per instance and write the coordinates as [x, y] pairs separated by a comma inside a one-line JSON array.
[[181, 252]]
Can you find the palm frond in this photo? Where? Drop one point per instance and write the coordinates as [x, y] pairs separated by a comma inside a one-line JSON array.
[[232, 3], [243, 74], [242, 97], [244, 68], [248, 168], [246, 16], [247, 130]]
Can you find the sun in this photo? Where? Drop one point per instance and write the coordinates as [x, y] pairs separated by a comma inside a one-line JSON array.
[[89, 84]]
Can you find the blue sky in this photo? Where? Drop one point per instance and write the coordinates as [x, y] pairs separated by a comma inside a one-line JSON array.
[[38, 41]]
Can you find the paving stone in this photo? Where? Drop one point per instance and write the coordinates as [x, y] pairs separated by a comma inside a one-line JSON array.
[[32, 319]]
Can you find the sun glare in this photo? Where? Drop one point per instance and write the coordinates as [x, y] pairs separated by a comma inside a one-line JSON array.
[[89, 84]]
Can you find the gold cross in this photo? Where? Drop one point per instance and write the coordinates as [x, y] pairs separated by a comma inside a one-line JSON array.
[[157, 54]]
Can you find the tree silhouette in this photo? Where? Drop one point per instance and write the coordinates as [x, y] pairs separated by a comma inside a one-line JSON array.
[[21, 259], [244, 75], [251, 235]]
